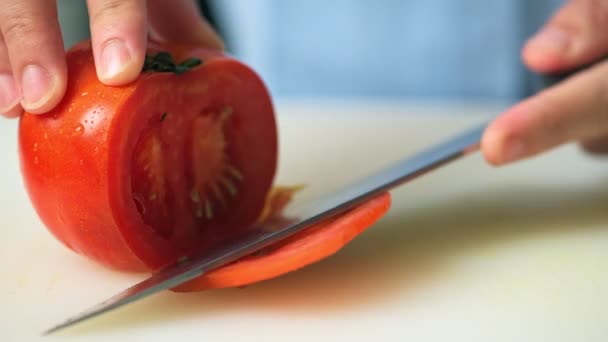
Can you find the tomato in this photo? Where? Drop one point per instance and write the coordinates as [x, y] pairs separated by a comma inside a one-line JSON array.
[[306, 247], [136, 177]]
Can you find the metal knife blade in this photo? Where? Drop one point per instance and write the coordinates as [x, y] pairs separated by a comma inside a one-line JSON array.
[[299, 216]]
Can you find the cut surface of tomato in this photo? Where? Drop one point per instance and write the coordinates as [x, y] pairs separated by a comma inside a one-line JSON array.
[[309, 246], [138, 176]]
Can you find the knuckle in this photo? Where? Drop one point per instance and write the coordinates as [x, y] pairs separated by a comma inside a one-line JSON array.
[[593, 12], [110, 9], [599, 11], [19, 26], [583, 16]]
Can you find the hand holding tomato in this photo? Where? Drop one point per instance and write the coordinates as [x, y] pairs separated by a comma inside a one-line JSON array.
[[575, 110], [33, 70]]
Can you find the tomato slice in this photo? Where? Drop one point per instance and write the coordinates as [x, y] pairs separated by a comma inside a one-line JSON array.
[[138, 176], [309, 246]]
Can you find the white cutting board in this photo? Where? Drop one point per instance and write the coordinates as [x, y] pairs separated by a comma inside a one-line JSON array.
[[467, 253]]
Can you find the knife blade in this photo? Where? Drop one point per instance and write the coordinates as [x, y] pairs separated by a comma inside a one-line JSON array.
[[299, 215]]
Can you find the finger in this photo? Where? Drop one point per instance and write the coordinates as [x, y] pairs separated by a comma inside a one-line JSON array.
[[572, 37], [597, 145], [575, 110], [181, 21], [118, 35], [35, 48], [9, 92]]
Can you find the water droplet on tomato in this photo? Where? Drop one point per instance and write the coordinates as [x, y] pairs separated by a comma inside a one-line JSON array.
[[91, 120], [78, 130], [35, 147], [36, 160]]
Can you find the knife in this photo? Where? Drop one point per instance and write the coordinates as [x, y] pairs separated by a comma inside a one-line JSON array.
[[300, 214]]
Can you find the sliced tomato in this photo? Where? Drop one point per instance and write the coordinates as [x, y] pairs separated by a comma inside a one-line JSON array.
[[309, 246], [138, 176]]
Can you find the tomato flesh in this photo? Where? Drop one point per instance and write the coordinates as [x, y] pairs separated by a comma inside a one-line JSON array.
[[182, 169], [152, 194], [214, 180]]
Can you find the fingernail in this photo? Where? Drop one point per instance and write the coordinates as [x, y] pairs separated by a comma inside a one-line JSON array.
[[515, 151], [36, 86], [551, 39], [114, 58], [9, 93]]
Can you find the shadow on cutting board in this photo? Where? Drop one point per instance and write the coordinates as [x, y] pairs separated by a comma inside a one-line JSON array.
[[399, 255]]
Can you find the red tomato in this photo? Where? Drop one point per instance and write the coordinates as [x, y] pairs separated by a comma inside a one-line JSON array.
[[136, 177]]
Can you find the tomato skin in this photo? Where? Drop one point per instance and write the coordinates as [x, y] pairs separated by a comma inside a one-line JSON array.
[[65, 170], [76, 159]]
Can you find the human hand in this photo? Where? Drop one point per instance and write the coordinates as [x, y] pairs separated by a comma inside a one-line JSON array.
[[33, 72], [575, 110]]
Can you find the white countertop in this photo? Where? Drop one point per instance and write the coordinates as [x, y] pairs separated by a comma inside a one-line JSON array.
[[467, 253]]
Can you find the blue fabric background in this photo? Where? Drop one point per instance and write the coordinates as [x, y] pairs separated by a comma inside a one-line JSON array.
[[463, 49]]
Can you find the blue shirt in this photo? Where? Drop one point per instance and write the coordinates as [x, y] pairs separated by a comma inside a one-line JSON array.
[[462, 49]]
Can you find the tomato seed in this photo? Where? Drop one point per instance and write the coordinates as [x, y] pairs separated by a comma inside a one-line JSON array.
[[181, 259], [229, 186], [218, 195], [208, 210], [234, 172], [195, 196], [226, 113]]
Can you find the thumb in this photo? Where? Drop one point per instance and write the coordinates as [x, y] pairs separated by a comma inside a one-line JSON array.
[[574, 36]]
